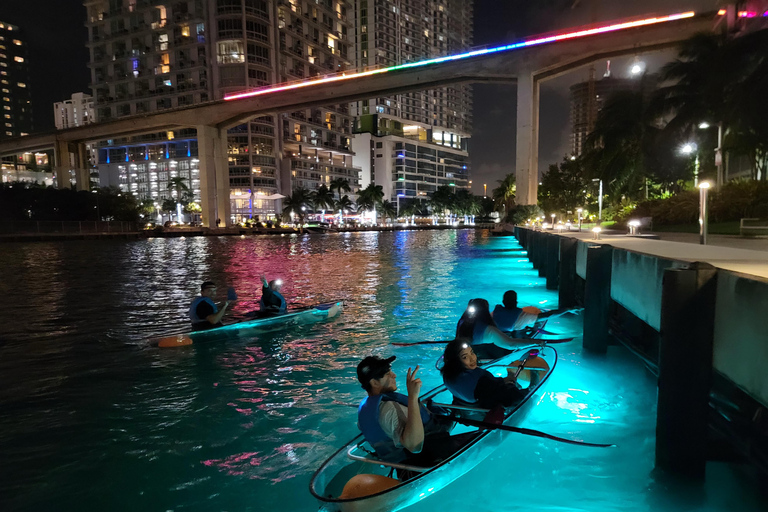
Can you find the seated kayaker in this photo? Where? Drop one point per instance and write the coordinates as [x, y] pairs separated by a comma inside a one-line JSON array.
[[203, 312], [509, 317], [395, 425], [505, 315], [477, 325], [272, 300], [470, 384]]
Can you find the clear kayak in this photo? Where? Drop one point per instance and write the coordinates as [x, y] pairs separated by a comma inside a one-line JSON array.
[[383, 493], [316, 313]]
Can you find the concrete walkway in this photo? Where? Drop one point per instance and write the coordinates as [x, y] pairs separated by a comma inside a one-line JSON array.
[[745, 255]]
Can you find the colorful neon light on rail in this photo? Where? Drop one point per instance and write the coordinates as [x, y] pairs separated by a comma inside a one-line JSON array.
[[475, 53]]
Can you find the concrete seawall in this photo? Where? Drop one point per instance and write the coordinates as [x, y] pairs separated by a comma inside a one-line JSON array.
[[694, 313]]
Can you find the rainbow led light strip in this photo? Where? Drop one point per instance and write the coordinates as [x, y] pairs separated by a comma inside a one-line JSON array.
[[475, 53]]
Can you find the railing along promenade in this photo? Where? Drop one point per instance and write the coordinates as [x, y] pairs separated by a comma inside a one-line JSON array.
[[694, 314]]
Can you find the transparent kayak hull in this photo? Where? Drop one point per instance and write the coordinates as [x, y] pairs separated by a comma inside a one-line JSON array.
[[329, 480]]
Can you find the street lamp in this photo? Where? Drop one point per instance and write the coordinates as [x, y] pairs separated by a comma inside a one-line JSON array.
[[553, 220], [599, 202], [580, 211], [703, 213], [485, 190]]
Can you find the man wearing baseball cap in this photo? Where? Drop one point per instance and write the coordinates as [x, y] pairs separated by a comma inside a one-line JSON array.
[[393, 424]]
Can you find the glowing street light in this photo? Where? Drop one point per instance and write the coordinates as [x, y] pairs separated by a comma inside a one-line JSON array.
[[688, 148], [637, 68], [704, 125]]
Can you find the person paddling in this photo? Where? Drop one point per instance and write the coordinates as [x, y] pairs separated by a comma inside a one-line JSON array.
[[203, 312], [272, 301], [506, 315]]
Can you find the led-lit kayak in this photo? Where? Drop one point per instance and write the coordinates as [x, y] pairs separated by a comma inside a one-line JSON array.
[[354, 480], [316, 313]]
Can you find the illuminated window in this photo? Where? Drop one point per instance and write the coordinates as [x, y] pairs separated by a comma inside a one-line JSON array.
[[19, 59], [185, 31], [17, 42], [6, 99], [7, 116], [9, 133], [8, 125], [3, 64], [164, 59], [3, 56], [231, 52], [6, 90], [20, 84], [7, 107]]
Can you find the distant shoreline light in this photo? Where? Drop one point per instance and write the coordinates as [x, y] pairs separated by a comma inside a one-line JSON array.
[[475, 53]]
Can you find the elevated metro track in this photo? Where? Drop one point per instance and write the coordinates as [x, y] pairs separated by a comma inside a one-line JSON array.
[[526, 63]]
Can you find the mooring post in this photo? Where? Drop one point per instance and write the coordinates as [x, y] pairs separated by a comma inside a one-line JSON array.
[[685, 368], [533, 248], [567, 283], [553, 261], [597, 298], [541, 254]]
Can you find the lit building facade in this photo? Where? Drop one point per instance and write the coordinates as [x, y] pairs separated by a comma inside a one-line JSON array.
[[412, 143], [76, 111], [148, 56], [15, 97]]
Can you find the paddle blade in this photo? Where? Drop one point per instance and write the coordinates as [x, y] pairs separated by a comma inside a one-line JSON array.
[[231, 294], [180, 340]]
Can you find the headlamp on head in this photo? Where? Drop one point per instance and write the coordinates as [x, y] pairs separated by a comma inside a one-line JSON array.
[[278, 282], [471, 310], [464, 345]]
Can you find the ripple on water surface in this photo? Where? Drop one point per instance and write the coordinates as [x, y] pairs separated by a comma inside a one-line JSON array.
[[94, 418]]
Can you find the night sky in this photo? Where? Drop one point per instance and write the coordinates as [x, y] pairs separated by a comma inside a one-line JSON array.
[[56, 34]]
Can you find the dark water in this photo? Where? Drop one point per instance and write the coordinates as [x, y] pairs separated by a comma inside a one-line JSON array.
[[94, 418]]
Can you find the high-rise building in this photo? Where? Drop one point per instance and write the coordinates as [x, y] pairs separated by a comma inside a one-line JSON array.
[[587, 100], [76, 111], [151, 55], [15, 98], [412, 143]]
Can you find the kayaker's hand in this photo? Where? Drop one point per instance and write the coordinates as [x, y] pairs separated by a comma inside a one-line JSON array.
[[412, 383], [511, 377]]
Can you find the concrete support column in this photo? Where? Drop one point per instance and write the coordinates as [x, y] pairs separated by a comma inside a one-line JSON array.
[[685, 368], [527, 159], [63, 163], [553, 261], [567, 283], [597, 298], [214, 176], [82, 169]]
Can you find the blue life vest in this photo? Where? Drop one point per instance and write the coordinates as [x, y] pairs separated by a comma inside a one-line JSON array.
[[193, 309], [464, 386], [368, 421], [478, 331], [505, 317], [283, 308]]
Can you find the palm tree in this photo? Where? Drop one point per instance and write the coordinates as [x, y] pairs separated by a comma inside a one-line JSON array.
[[370, 197], [181, 189], [442, 199], [339, 184], [297, 203], [343, 204], [322, 199], [504, 194], [389, 210]]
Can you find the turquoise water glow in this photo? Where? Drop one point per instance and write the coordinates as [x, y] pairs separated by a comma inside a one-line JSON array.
[[95, 419]]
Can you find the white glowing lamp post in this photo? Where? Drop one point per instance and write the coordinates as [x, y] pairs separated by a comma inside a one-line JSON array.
[[704, 187]]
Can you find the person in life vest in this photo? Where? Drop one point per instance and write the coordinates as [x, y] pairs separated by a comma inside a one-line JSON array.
[[203, 312], [505, 315], [477, 325], [397, 426], [272, 300], [470, 384]]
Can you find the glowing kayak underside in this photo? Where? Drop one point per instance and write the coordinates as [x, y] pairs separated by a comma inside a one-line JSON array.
[[316, 313], [328, 481]]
